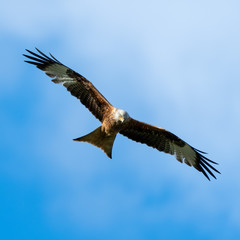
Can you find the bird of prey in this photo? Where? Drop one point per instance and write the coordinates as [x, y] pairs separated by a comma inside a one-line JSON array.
[[115, 120]]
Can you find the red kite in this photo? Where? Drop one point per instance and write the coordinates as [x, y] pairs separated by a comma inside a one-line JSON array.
[[116, 120]]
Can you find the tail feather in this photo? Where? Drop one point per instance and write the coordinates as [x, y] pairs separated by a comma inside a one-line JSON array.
[[99, 139]]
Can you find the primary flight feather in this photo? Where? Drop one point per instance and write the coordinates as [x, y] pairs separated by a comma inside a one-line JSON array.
[[116, 120]]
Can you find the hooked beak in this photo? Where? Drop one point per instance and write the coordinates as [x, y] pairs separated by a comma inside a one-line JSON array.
[[122, 119]]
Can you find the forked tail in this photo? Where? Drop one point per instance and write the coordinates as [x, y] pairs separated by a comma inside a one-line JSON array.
[[99, 139]]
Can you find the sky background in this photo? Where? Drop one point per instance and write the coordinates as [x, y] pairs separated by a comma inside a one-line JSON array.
[[174, 64]]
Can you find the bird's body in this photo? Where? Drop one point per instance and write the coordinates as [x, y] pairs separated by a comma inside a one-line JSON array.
[[116, 120], [103, 137]]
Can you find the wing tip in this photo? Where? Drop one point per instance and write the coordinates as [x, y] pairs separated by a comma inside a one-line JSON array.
[[204, 166], [40, 59]]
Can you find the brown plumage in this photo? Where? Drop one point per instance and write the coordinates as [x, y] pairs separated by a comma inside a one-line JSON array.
[[116, 120]]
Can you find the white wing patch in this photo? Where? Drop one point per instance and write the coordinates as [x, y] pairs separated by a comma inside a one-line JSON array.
[[186, 154], [59, 73]]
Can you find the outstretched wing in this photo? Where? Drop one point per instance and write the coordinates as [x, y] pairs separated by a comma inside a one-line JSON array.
[[75, 83], [167, 142]]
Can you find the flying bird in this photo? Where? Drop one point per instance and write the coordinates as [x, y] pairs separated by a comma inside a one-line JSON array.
[[115, 120]]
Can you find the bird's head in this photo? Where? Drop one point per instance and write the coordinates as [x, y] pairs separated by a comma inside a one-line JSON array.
[[121, 116]]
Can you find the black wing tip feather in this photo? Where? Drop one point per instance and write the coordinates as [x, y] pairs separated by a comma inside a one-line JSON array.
[[204, 166], [40, 59]]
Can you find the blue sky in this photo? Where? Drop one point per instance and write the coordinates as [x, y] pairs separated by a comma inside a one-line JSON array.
[[174, 64]]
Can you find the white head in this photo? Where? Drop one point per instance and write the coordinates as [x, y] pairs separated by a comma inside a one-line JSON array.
[[121, 115]]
